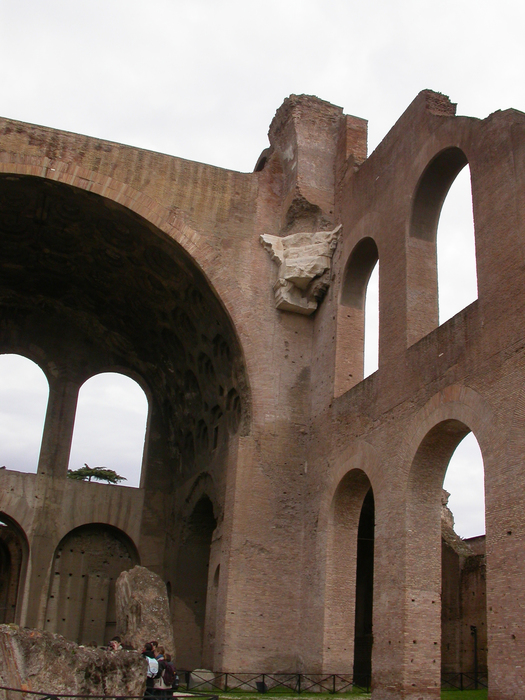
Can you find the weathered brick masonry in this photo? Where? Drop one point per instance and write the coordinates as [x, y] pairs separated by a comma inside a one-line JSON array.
[[266, 451]]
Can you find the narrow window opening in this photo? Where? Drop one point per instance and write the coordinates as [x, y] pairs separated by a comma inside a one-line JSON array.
[[24, 392], [110, 426], [357, 348]]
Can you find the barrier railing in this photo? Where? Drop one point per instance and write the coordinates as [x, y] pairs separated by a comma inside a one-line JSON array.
[[464, 681], [298, 683], [196, 685]]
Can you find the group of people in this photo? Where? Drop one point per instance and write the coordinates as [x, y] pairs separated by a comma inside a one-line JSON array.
[[162, 679]]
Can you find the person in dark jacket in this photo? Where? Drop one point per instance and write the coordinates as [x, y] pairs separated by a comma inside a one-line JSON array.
[[170, 677]]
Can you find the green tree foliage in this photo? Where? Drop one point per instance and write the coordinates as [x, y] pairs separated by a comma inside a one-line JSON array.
[[86, 473]]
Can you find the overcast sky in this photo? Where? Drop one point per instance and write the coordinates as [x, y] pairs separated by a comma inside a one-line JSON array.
[[201, 79]]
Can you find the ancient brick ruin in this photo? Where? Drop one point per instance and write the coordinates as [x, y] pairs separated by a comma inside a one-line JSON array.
[[292, 508]]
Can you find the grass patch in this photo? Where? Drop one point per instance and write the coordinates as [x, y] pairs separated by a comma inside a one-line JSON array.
[[464, 694], [287, 695], [352, 695]]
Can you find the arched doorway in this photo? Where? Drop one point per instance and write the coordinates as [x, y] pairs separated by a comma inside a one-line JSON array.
[[463, 568], [435, 559], [190, 588], [364, 594], [13, 560], [348, 633], [81, 601]]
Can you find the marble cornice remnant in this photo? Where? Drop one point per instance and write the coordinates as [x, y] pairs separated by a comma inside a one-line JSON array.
[[304, 261]]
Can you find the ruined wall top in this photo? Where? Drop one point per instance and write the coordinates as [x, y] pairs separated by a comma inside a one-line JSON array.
[[307, 110]]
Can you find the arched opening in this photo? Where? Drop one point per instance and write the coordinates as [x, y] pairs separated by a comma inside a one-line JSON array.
[[465, 482], [210, 629], [81, 600], [13, 560], [358, 317], [364, 594], [371, 343], [463, 567], [93, 285], [130, 298], [110, 426], [24, 392], [425, 308], [190, 588], [456, 249], [349, 579], [446, 584]]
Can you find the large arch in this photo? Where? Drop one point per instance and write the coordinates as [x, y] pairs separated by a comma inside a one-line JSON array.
[[130, 296], [170, 221], [97, 276], [86, 565]]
